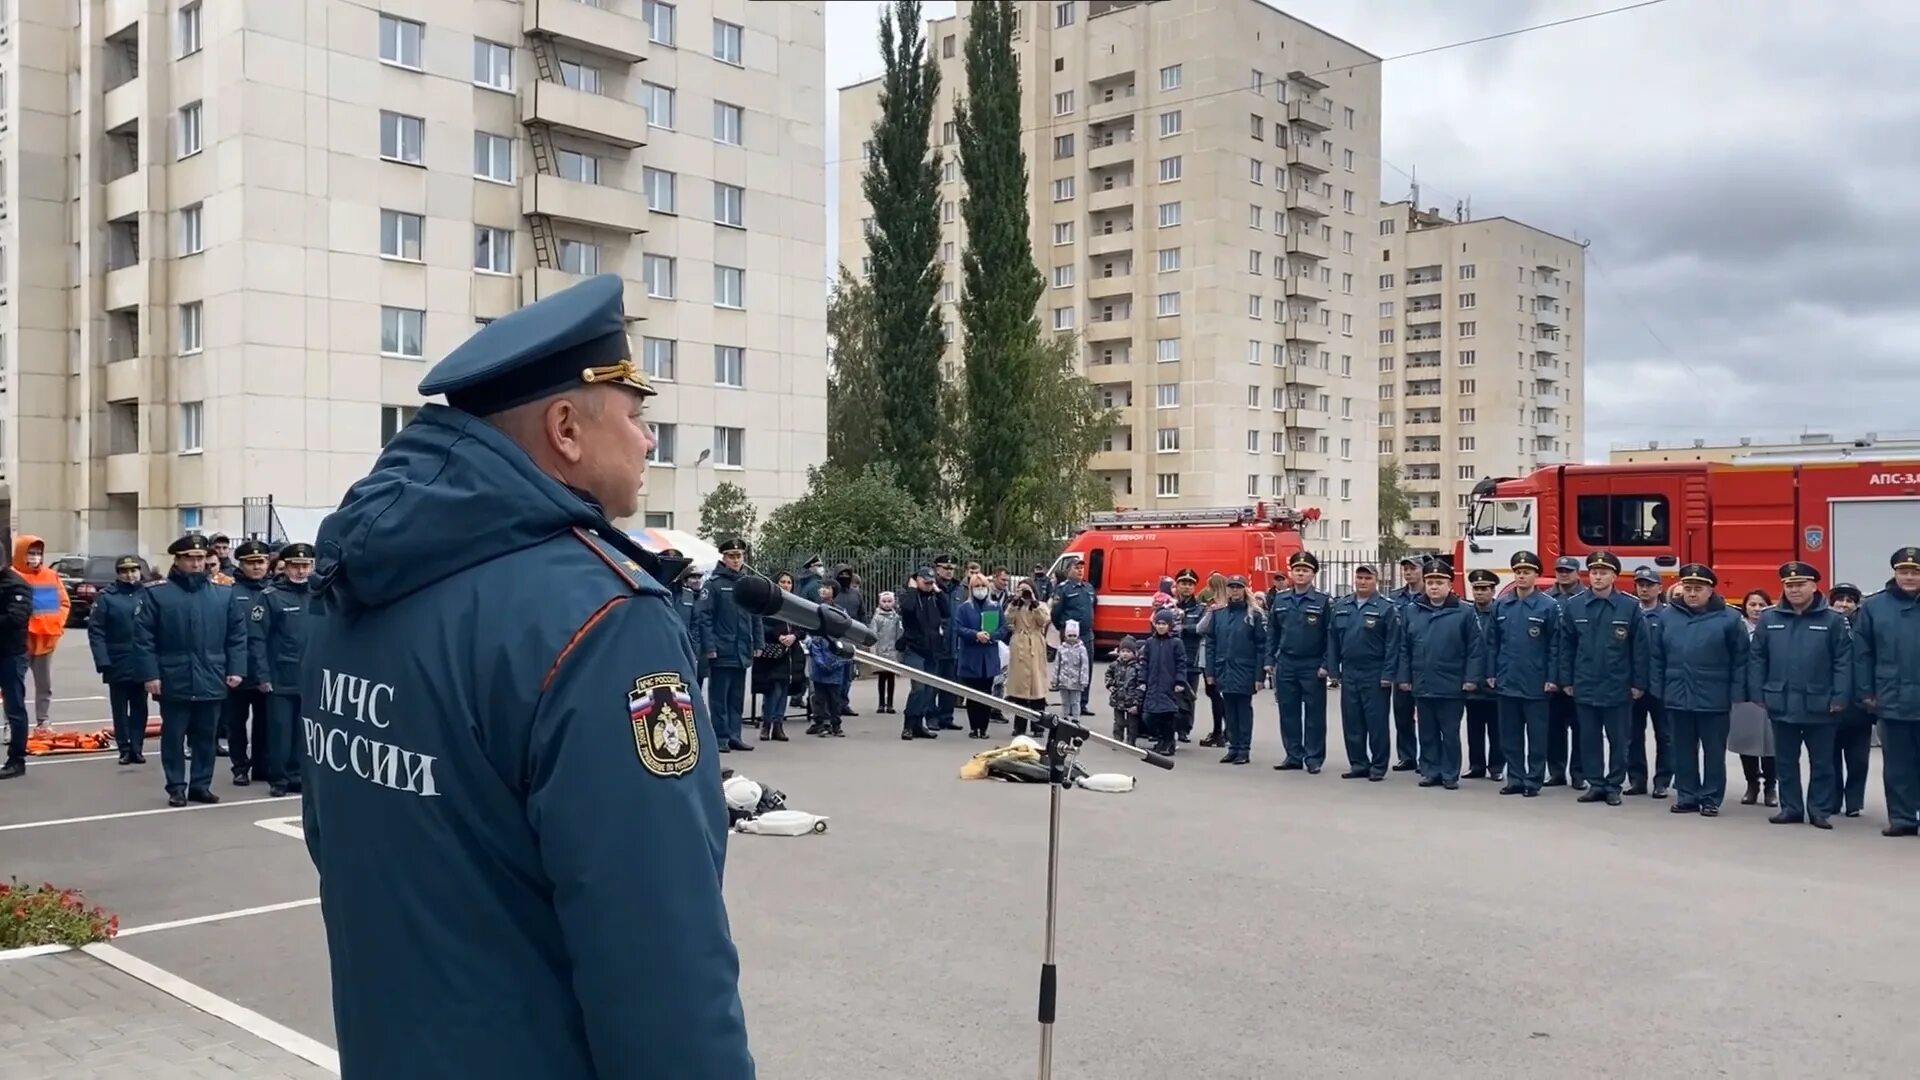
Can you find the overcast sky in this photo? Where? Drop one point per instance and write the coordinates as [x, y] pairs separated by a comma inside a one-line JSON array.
[[1748, 172]]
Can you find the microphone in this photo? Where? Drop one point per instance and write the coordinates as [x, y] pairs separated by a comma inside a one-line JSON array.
[[758, 596]]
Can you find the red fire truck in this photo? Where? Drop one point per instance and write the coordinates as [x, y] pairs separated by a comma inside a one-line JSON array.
[[1128, 552], [1843, 515]]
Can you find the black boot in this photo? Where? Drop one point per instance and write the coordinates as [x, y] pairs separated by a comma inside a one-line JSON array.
[[1753, 793], [1770, 795], [835, 731], [779, 731]]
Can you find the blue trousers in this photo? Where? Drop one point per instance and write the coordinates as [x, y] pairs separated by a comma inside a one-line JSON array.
[[1523, 740], [127, 701], [13, 685], [1602, 730], [188, 726], [1303, 715], [1563, 740], [284, 738], [1483, 736], [1405, 741], [1364, 709], [726, 701], [1699, 738], [1649, 712], [1853, 751], [1239, 708], [1900, 771], [944, 702], [1440, 738], [921, 698], [1820, 790], [773, 704]]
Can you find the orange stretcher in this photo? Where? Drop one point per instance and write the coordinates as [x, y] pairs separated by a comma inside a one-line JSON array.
[[41, 742]]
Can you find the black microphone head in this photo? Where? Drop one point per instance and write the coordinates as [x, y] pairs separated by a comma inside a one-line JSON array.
[[757, 595]]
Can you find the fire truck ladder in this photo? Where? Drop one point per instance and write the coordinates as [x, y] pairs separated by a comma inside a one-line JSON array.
[[1259, 513], [540, 140]]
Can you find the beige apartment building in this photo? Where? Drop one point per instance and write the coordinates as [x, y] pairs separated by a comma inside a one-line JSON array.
[[1810, 446], [1204, 189], [1458, 299], [237, 235]]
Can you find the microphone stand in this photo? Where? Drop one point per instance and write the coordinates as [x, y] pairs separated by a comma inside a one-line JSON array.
[[1065, 736]]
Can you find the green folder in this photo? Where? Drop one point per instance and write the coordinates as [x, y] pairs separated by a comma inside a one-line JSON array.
[[990, 621]]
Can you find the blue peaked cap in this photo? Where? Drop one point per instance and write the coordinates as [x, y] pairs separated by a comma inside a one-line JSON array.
[[576, 337]]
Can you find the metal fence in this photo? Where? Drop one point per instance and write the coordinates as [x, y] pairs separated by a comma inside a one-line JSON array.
[[889, 568]]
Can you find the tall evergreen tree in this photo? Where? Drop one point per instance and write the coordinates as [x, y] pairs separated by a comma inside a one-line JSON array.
[[902, 185], [1001, 284], [854, 397]]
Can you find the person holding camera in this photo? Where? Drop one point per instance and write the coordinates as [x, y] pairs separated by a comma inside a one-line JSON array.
[[1025, 631]]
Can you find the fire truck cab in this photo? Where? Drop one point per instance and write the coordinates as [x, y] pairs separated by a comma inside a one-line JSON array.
[[1129, 552], [1743, 519]]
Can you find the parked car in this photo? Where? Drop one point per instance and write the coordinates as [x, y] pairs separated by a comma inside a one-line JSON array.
[[85, 576]]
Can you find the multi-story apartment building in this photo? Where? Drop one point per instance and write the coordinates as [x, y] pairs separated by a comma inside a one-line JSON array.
[[1457, 300], [1204, 180], [239, 234], [1812, 445]]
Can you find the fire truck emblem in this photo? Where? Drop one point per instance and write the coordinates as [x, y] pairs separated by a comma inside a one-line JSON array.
[[1815, 537]]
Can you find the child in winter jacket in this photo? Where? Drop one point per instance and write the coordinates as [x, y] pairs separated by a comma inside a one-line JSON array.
[[1124, 689], [829, 673], [886, 632], [1072, 670]]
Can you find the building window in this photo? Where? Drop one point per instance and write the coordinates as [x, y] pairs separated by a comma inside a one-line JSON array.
[[579, 257], [1062, 277], [1386, 336], [1253, 307], [729, 447], [658, 356], [1346, 492], [1466, 272], [400, 42], [393, 418], [578, 167], [1466, 386], [1170, 77], [1346, 160], [1166, 485], [1257, 127], [658, 101], [1166, 396], [187, 30], [1166, 440], [729, 365], [1466, 416], [1254, 215], [1467, 329], [1063, 318], [1253, 397], [1169, 214], [492, 65], [728, 42], [190, 129], [1062, 189], [1386, 281], [1465, 357], [660, 186], [192, 238], [581, 77], [1166, 350], [1256, 170], [192, 319], [1466, 443], [401, 137], [946, 252], [1466, 472], [1169, 169], [492, 157], [1170, 123], [193, 420], [1349, 117], [1063, 13], [1167, 303], [1169, 260], [665, 438], [729, 205], [1346, 200], [729, 123], [400, 235], [402, 332], [492, 250], [949, 132], [1346, 449], [729, 287], [1063, 103], [1062, 232], [1062, 146], [659, 18]]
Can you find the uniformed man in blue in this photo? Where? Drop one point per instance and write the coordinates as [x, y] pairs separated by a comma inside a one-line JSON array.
[[1191, 610], [1361, 651], [1801, 671], [1439, 643], [1603, 665], [1886, 644], [511, 791], [189, 649], [1297, 616], [1485, 758], [110, 636], [1699, 671], [1406, 739], [279, 645], [1853, 740], [244, 715], [1648, 711], [1563, 719], [1519, 662], [729, 635]]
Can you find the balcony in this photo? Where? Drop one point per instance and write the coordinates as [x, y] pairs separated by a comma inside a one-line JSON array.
[[1314, 115], [125, 380], [541, 282], [1111, 461], [1306, 460], [1304, 79], [1308, 419], [1547, 429], [586, 27], [125, 287], [1123, 104], [1110, 243], [126, 474], [1547, 345], [595, 116], [1118, 152], [1119, 328], [126, 196], [1307, 287], [583, 204], [121, 106], [1546, 399], [1305, 330], [1307, 245], [1302, 201], [1423, 316], [1299, 374], [1547, 316], [1114, 198], [1547, 372], [1421, 483], [1118, 284], [1311, 157]]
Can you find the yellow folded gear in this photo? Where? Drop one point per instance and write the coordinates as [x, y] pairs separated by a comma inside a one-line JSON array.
[[976, 766]]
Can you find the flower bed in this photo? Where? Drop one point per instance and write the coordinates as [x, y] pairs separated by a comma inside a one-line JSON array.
[[45, 915]]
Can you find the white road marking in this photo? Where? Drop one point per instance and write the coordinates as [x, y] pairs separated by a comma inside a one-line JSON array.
[[35, 761], [106, 723], [286, 826], [30, 951], [212, 1004], [95, 697], [219, 916], [130, 814]]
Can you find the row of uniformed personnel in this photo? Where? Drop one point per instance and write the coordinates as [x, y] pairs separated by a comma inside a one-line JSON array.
[[211, 649]]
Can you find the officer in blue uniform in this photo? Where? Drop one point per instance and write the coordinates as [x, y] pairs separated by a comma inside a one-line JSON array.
[[1361, 650], [1298, 617], [279, 645], [1564, 765], [1439, 646], [244, 715], [190, 648], [1853, 741], [1406, 739], [728, 635], [1485, 759], [1801, 671], [1520, 661], [1886, 653], [509, 775], [1603, 665], [1648, 710], [1698, 669], [1191, 610], [110, 636]]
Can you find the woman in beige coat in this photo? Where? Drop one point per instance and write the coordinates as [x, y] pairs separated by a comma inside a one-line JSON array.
[[1027, 621]]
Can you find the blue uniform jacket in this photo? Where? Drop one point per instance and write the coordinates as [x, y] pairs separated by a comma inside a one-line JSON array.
[[1521, 650], [1236, 648], [1437, 644], [720, 625], [517, 821], [1191, 610], [1362, 645], [1802, 663], [1477, 659], [1163, 669], [975, 659], [1297, 631], [247, 603], [190, 635], [1604, 651], [1699, 658], [110, 632], [1886, 653], [279, 639], [1074, 600]]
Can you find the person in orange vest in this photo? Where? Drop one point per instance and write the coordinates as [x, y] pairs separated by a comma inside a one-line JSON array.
[[16, 609], [48, 622]]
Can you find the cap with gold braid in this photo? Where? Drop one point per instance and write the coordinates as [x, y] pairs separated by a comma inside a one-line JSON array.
[[574, 338], [190, 544], [1304, 558], [1907, 558], [1794, 572], [1698, 574], [1603, 560]]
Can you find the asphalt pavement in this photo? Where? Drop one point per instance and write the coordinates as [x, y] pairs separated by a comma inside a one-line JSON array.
[[1216, 922]]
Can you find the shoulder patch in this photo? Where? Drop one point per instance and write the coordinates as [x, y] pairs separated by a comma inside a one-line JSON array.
[[616, 560], [666, 735]]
